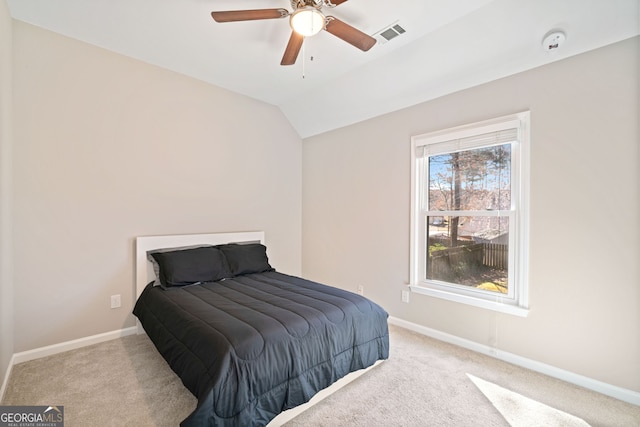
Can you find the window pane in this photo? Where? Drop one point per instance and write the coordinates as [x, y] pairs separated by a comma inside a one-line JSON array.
[[478, 179], [471, 251]]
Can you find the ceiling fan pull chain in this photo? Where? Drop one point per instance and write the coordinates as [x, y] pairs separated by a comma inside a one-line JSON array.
[[304, 55]]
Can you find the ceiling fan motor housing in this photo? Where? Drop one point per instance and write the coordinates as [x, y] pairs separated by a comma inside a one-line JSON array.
[[318, 4]]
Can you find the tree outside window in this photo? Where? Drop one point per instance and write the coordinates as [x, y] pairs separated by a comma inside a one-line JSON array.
[[469, 249]]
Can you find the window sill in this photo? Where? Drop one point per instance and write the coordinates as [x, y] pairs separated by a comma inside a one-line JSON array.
[[494, 305]]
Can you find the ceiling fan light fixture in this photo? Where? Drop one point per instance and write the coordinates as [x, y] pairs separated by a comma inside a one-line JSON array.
[[307, 21]]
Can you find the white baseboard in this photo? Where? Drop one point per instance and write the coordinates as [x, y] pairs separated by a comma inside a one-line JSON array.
[[6, 377], [616, 392], [49, 350]]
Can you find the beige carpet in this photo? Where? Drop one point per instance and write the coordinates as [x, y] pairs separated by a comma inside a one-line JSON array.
[[425, 382]]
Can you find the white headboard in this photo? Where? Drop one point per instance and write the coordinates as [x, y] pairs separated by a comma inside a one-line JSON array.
[[144, 270]]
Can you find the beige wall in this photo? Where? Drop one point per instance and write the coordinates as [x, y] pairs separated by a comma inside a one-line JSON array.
[[6, 286], [585, 236], [108, 148]]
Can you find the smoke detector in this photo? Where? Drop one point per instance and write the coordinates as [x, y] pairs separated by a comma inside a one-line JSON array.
[[553, 40]]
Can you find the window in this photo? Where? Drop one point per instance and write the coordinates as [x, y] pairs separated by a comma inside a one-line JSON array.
[[469, 228]]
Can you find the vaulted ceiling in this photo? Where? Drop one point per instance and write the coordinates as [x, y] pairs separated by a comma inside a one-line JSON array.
[[447, 46]]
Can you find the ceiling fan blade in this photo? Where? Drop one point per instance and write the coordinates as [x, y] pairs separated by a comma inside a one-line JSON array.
[[249, 15], [337, 2], [349, 34], [292, 50]]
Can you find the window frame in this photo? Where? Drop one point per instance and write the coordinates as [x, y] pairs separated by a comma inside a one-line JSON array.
[[516, 301]]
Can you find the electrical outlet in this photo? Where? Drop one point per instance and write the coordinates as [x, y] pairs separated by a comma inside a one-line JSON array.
[[115, 301], [360, 290], [405, 296]]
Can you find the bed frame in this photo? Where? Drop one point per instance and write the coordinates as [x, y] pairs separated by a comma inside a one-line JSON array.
[[145, 274]]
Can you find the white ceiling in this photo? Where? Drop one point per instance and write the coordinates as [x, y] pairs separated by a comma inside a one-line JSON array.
[[448, 46]]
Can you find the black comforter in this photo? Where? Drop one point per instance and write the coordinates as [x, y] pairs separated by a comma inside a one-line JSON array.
[[252, 346]]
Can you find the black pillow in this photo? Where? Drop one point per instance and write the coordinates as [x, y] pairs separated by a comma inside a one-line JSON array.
[[188, 266], [246, 258]]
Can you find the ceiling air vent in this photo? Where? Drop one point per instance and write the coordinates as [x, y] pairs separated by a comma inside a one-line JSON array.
[[388, 33]]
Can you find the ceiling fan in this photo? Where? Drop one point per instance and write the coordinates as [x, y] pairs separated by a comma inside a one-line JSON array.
[[306, 20]]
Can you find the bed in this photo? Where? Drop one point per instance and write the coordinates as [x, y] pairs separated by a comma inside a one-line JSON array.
[[248, 341]]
